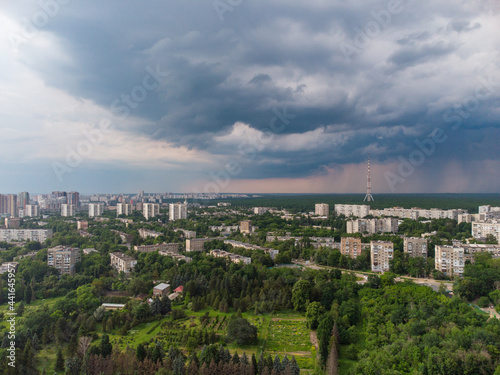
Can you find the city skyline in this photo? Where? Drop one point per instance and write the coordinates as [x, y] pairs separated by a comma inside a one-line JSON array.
[[255, 97]]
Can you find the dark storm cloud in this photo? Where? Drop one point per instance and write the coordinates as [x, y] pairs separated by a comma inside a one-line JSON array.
[[267, 56]]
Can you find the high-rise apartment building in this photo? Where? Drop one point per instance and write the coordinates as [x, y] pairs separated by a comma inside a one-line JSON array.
[[63, 259], [322, 209], [381, 254], [23, 199], [32, 210], [67, 210], [416, 246], [123, 209], [8, 204], [177, 211], [350, 246], [450, 260], [96, 209], [150, 210], [74, 198]]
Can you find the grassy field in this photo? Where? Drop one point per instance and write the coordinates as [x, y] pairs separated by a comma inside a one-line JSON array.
[[278, 334]]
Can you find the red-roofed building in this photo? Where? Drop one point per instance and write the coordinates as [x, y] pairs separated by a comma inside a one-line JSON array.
[[179, 289]]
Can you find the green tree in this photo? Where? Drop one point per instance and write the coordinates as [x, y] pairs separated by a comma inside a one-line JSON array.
[[59, 366], [301, 293], [241, 331], [314, 311], [105, 347]]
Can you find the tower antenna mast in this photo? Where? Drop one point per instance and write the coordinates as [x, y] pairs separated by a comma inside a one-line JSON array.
[[368, 196]]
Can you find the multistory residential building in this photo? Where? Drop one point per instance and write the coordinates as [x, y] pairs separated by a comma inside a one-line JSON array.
[[74, 198], [350, 246], [357, 210], [82, 225], [322, 209], [122, 263], [96, 209], [372, 226], [8, 204], [235, 258], [40, 235], [145, 233], [22, 200], [150, 210], [198, 244], [31, 210], [173, 247], [481, 229], [260, 210], [415, 246], [68, 210], [12, 222], [246, 226], [177, 211], [63, 259], [381, 253], [450, 260], [123, 209]]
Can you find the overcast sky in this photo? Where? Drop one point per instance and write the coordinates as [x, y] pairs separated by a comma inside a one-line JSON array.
[[250, 96]]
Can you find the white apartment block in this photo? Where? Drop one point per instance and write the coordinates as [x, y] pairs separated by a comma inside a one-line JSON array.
[[177, 211], [322, 209], [260, 210], [63, 259], [350, 246], [416, 246], [31, 210], [357, 210], [481, 229], [416, 213], [488, 208], [235, 258], [96, 209], [172, 247], [123, 209], [381, 253], [403, 213], [150, 210], [122, 263], [450, 260], [40, 235], [68, 210], [372, 226], [145, 233]]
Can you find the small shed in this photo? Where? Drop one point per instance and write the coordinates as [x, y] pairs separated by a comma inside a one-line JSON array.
[[161, 290]]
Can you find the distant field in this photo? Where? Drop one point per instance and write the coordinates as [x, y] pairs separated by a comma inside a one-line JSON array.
[[306, 202]]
